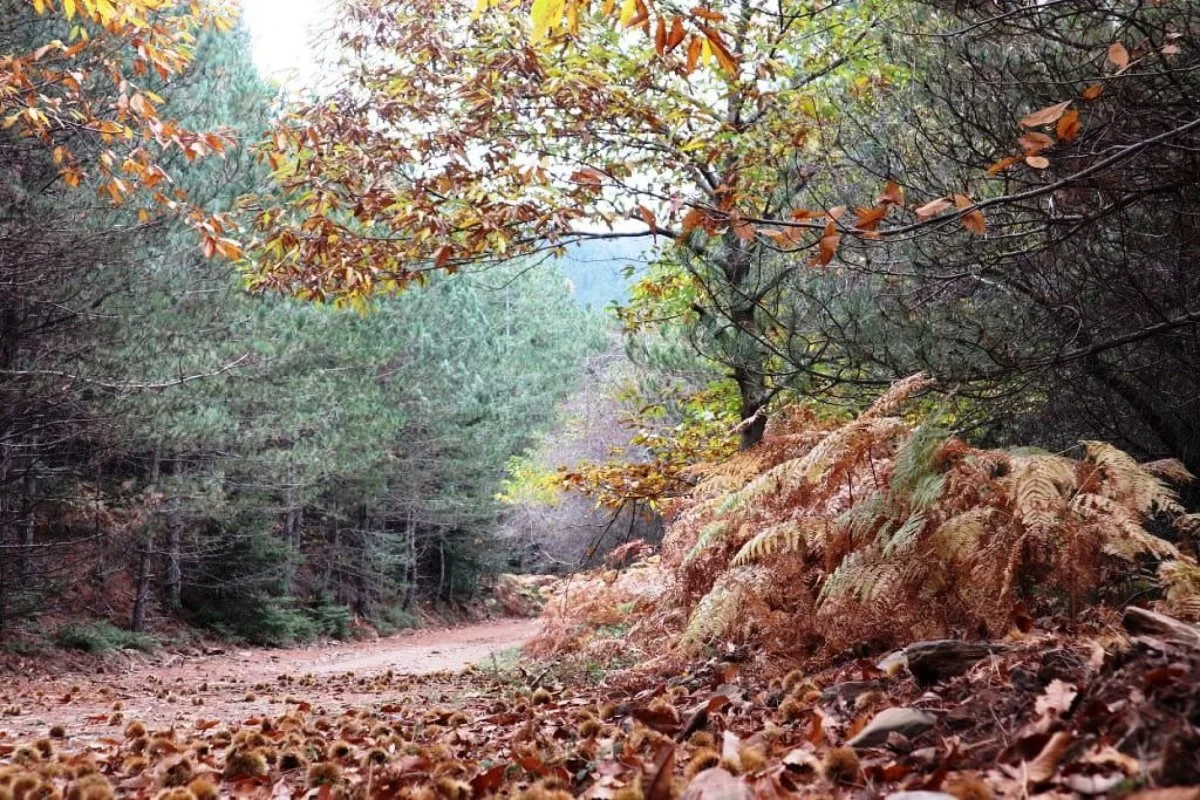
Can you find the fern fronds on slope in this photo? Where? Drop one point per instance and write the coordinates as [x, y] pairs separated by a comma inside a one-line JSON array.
[[787, 537], [873, 530]]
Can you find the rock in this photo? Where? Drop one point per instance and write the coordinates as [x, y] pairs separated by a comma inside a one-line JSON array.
[[1141, 621], [908, 722], [930, 662]]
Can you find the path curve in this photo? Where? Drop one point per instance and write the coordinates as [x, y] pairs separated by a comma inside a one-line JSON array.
[[172, 689]]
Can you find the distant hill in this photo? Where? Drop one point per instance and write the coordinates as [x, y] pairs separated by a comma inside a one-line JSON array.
[[596, 269]]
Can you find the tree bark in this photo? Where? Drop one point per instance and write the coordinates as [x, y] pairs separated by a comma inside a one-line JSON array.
[[145, 563]]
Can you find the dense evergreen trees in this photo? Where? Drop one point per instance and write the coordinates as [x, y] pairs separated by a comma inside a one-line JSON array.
[[265, 466]]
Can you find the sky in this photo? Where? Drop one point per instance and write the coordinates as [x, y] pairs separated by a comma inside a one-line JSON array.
[[279, 35]]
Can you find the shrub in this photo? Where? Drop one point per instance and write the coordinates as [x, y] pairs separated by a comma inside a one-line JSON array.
[[100, 637], [392, 619]]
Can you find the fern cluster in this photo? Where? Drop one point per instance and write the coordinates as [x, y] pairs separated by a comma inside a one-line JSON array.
[[876, 530]]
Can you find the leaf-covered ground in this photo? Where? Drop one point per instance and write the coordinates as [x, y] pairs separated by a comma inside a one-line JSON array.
[[1107, 714]]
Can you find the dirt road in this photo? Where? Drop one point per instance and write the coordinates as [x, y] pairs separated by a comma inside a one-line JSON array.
[[176, 690]]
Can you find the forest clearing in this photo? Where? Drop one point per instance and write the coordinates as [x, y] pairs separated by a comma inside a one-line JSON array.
[[639, 400]]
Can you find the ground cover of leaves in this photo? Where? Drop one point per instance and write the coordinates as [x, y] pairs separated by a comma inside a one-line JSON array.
[[1050, 715]]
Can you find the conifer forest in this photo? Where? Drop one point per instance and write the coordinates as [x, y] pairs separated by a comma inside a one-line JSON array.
[[600, 399]]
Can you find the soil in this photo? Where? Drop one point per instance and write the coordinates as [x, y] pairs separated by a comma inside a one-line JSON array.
[[173, 690]]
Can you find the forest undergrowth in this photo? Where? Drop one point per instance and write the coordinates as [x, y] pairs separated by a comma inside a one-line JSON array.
[[749, 659]]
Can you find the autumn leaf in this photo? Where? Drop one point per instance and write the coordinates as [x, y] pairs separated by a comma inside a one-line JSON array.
[[932, 208], [1092, 92], [868, 219], [1068, 126], [1037, 162], [1118, 56], [1002, 165], [827, 247], [972, 220], [1035, 142], [1045, 116], [892, 193]]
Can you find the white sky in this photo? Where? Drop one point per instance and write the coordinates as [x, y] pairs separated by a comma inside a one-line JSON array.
[[280, 34]]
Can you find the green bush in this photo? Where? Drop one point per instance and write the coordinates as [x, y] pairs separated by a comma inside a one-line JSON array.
[[393, 619], [330, 618], [100, 637]]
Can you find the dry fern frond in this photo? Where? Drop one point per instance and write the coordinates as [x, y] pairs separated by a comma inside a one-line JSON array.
[[788, 537], [1171, 469], [1039, 487], [897, 394], [1130, 482], [959, 539], [1122, 534]]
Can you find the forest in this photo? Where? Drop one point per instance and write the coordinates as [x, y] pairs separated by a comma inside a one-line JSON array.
[[824, 375]]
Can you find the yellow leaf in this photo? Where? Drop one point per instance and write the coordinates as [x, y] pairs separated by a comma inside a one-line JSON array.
[[39, 6], [69, 7], [629, 12], [546, 14]]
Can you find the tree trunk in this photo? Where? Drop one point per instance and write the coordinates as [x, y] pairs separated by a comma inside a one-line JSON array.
[[29, 525], [174, 568], [145, 563], [410, 572]]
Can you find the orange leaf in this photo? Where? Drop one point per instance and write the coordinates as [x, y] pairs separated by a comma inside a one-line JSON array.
[[648, 218], [675, 36], [1068, 126], [827, 247], [442, 255], [1002, 164], [892, 193], [589, 177], [932, 208], [1092, 92], [972, 220], [1037, 162], [836, 212], [695, 46], [1044, 116], [868, 219], [724, 57], [1118, 56], [660, 36]]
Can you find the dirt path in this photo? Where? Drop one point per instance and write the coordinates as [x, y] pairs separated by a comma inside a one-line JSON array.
[[174, 690]]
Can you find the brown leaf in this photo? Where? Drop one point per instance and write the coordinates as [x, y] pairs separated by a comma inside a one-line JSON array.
[[660, 784], [1034, 142], [892, 193], [648, 217], [1068, 126], [1037, 162], [657, 719], [1043, 767], [488, 781], [972, 220], [1092, 92], [827, 247], [932, 208], [717, 784], [1118, 56], [1045, 116], [868, 219]]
